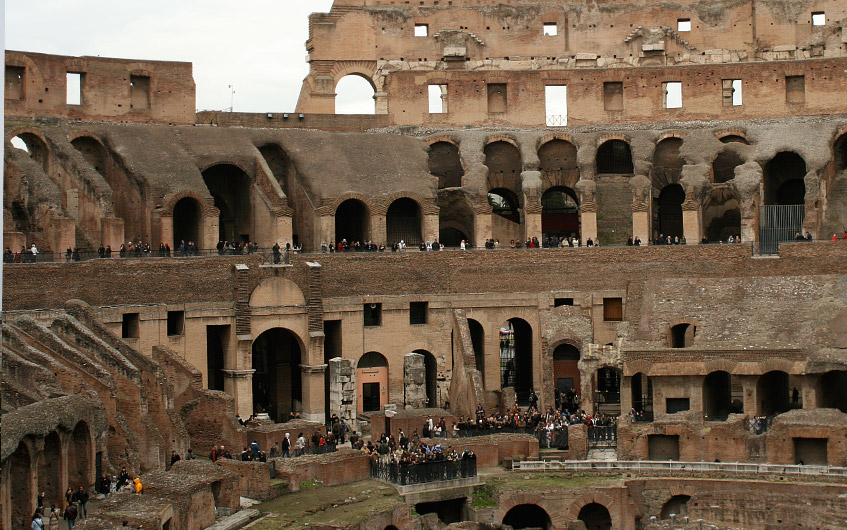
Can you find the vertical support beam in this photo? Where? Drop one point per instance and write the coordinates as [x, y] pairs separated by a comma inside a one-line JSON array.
[[312, 377], [588, 221], [342, 388], [430, 229], [482, 227], [414, 381], [238, 368], [312, 369], [112, 232], [210, 230], [691, 222], [378, 231]]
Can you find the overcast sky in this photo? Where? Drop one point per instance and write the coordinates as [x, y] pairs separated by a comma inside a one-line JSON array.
[[256, 45]]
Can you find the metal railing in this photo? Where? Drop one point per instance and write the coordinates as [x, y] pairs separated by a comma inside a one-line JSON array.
[[669, 465], [406, 474], [468, 432], [552, 439], [602, 435]]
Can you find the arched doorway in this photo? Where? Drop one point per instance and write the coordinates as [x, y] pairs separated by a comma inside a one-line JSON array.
[[403, 222], [676, 506], [772, 390], [446, 164], [722, 215], [566, 375], [559, 213], [667, 164], [431, 367], [455, 218], [478, 341], [596, 517], [516, 357], [50, 469], [355, 94], [840, 152], [614, 157], [34, 145], [607, 397], [80, 453], [372, 382], [277, 385], [717, 396], [230, 188], [186, 222], [831, 390], [668, 211], [527, 516], [642, 396], [784, 179], [504, 164], [352, 221], [682, 335], [22, 498], [723, 167], [505, 203]]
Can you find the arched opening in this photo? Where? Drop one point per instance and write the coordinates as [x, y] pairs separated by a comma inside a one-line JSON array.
[[352, 221], [446, 164], [431, 378], [668, 211], [676, 506], [279, 163], [372, 381], [50, 468], [559, 213], [33, 145], [516, 357], [230, 187], [723, 167], [452, 237], [503, 161], [596, 517], [642, 396], [478, 341], [722, 215], [607, 396], [277, 386], [667, 164], [566, 375], [614, 156], [717, 396], [682, 335], [734, 138], [527, 516], [832, 390], [840, 149], [784, 179], [403, 222], [354, 94], [448, 511], [455, 218], [80, 453], [187, 215], [772, 390], [505, 204], [22, 498], [557, 158], [93, 152]]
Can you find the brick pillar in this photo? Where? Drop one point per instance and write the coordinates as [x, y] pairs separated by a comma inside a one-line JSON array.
[[748, 385], [532, 217], [312, 377], [238, 371], [482, 228], [414, 381], [588, 221], [641, 222], [691, 222], [112, 233], [342, 389]]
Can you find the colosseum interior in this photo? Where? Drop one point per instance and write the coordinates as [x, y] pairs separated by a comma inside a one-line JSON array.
[[704, 368]]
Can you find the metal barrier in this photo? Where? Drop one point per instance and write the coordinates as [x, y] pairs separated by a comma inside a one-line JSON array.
[[406, 474], [552, 438], [650, 465], [602, 435], [468, 432]]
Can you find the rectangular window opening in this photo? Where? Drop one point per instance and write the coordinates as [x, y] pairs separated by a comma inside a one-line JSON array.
[[418, 312], [15, 82], [421, 30], [551, 29], [613, 96], [683, 24], [819, 18], [613, 309], [139, 86], [795, 89], [130, 325], [74, 92], [559, 302], [556, 104], [675, 405], [437, 99], [497, 98], [673, 94], [731, 92], [176, 323], [373, 315]]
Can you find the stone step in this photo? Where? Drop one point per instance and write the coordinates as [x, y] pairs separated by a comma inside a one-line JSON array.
[[604, 454], [235, 521]]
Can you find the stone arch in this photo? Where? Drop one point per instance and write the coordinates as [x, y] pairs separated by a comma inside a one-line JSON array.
[[404, 221], [445, 162], [277, 292], [80, 456], [722, 214], [681, 334], [527, 516], [363, 69], [676, 505], [614, 156], [839, 148], [49, 470], [20, 485], [478, 341], [516, 356], [724, 164], [595, 516], [36, 144], [455, 218], [632, 368], [281, 165], [277, 384], [372, 371], [187, 223], [352, 221], [784, 179], [504, 163], [587, 499], [505, 203], [732, 136], [230, 187], [560, 213], [667, 162], [430, 377], [558, 163], [351, 94]]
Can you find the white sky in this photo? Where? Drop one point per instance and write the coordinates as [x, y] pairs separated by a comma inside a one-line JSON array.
[[256, 45]]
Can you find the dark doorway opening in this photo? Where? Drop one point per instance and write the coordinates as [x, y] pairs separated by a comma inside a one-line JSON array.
[[230, 188], [370, 396], [478, 341], [669, 211], [596, 517], [431, 367], [527, 516], [217, 339], [449, 511], [516, 357], [187, 222], [676, 505], [717, 396], [833, 390], [403, 222], [773, 392], [559, 213], [352, 221], [277, 384], [784, 179], [445, 163], [614, 156], [682, 335]]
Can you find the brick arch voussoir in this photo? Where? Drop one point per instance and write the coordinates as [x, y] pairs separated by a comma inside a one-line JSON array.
[[249, 171], [547, 138], [207, 204], [369, 202], [522, 498], [594, 497], [602, 139], [719, 365], [731, 132], [442, 138], [640, 366], [364, 69], [426, 204], [502, 138], [673, 133], [776, 365], [27, 129]]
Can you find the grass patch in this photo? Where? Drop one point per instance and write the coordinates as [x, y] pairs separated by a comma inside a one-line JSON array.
[[307, 485], [483, 497]]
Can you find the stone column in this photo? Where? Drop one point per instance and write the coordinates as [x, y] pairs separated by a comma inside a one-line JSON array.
[[429, 229], [482, 225], [112, 233], [378, 231], [809, 391], [532, 216], [751, 397], [312, 377], [239, 385], [641, 208], [342, 389], [414, 381], [327, 228], [283, 230], [691, 221], [587, 209], [210, 231]]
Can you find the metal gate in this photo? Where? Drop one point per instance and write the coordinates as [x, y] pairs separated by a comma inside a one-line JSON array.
[[778, 224]]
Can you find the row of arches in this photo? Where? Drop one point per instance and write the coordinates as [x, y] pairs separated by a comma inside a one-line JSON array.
[[593, 515], [50, 464]]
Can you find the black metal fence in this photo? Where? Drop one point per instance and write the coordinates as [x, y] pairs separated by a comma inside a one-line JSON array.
[[552, 439], [602, 435], [467, 432], [406, 474]]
